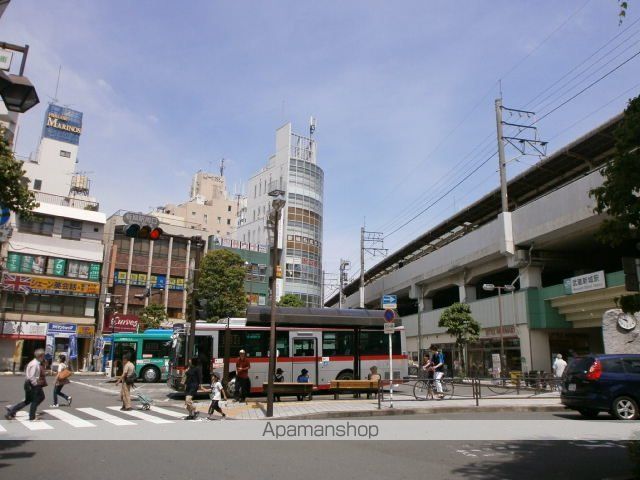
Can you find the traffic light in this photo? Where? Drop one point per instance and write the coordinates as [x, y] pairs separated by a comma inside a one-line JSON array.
[[201, 309], [145, 231]]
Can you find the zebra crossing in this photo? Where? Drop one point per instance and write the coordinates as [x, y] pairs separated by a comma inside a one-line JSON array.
[[88, 418]]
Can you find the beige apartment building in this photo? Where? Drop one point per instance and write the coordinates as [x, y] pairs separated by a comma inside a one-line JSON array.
[[211, 207]]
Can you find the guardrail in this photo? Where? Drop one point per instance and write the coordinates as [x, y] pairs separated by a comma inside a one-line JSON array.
[[74, 202]]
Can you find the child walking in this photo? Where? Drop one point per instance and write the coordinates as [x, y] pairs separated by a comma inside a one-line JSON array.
[[216, 395]]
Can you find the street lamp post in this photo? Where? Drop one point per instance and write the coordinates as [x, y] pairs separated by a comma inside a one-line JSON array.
[[274, 218], [17, 92], [489, 287]]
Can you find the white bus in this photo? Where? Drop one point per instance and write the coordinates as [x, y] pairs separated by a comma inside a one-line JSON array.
[[329, 344]]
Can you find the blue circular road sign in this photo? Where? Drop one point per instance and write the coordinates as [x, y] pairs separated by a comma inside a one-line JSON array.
[[389, 315]]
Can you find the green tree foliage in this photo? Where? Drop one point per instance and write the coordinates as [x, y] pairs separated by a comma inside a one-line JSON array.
[[221, 284], [459, 323], [14, 195], [290, 300], [152, 316], [619, 194]]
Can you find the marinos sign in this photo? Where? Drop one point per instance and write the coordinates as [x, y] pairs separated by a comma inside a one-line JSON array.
[[63, 124]]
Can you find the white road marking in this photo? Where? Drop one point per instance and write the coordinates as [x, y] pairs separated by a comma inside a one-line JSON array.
[[70, 419], [2, 429], [23, 418], [107, 417], [142, 416], [169, 413]]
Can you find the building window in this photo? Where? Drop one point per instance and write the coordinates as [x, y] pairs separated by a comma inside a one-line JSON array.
[[228, 221], [38, 224], [206, 217], [228, 208], [219, 220], [255, 191], [71, 229], [37, 184], [193, 214], [76, 269], [64, 153]]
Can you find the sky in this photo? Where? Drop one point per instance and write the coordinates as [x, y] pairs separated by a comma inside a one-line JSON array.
[[403, 93]]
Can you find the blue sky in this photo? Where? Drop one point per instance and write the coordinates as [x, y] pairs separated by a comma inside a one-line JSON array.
[[403, 93]]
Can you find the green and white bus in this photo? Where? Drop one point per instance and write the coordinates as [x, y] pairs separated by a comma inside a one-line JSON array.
[[149, 352]]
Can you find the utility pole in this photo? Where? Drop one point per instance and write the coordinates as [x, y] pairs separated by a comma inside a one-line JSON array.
[[373, 244], [198, 245], [501, 158], [525, 143]]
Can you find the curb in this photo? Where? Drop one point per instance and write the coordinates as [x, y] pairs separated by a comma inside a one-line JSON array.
[[426, 410]]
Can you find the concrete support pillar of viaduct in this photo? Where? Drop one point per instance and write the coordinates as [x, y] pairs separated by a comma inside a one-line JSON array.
[[467, 293], [530, 277]]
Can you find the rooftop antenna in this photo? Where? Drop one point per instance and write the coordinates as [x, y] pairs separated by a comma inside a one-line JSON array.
[[222, 167], [55, 96]]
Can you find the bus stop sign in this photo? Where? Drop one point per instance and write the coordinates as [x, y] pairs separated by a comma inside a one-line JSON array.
[[389, 315]]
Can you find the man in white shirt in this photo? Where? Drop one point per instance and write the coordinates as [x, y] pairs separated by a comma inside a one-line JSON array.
[[34, 383], [558, 366]]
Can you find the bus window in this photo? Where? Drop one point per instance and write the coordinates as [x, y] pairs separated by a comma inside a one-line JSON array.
[[255, 343], [120, 350], [337, 343], [156, 348], [282, 344], [304, 347], [377, 343]]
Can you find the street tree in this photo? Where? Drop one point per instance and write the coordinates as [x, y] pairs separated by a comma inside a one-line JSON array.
[[290, 300], [221, 284], [619, 195], [152, 316], [459, 323], [14, 194]]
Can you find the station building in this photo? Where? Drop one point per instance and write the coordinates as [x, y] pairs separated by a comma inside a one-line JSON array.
[[545, 246]]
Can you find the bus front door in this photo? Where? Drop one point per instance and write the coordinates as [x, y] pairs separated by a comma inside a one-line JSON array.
[[120, 350], [304, 351]]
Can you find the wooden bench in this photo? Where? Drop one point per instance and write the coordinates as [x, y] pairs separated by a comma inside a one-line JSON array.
[[354, 386], [292, 388]]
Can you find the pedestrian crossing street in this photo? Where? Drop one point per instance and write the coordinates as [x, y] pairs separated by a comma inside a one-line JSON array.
[[87, 418]]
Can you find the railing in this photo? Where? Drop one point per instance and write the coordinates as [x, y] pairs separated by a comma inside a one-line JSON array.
[[74, 202]]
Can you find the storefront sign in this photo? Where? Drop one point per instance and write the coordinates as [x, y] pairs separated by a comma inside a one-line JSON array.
[[61, 329], [119, 322], [25, 329], [136, 218], [85, 331], [49, 285], [49, 347], [59, 265], [495, 331], [5, 59], [585, 283]]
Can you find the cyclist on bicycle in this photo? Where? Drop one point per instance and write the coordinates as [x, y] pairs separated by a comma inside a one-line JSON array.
[[427, 367], [437, 364]]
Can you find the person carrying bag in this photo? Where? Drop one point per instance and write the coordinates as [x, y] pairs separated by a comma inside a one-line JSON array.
[[64, 374]]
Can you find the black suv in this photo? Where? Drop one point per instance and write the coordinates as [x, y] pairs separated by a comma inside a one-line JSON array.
[[603, 383]]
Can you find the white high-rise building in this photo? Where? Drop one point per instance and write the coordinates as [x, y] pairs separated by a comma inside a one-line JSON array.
[[51, 262], [294, 170]]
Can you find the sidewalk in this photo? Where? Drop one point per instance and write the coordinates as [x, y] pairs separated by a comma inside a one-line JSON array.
[[330, 408]]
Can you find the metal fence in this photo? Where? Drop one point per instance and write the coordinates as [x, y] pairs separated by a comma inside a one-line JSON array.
[[75, 202]]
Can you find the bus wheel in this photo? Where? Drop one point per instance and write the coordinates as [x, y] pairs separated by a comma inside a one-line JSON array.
[[345, 375], [150, 374]]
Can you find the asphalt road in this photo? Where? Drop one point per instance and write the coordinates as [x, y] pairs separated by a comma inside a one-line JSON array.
[[200, 459]]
